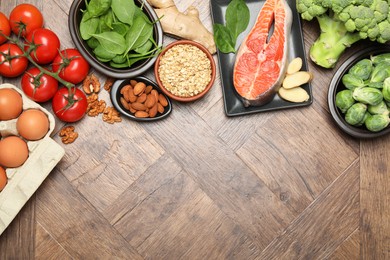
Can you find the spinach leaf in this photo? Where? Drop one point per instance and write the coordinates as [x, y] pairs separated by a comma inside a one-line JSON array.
[[112, 41], [237, 17], [223, 38], [145, 47], [93, 42], [120, 28], [103, 53], [138, 34], [88, 25], [108, 19], [124, 10], [118, 59], [98, 7]]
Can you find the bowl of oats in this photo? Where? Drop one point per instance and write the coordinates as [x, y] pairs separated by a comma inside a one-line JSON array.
[[185, 70]]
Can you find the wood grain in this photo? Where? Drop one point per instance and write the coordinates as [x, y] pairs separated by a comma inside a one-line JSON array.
[[285, 184]]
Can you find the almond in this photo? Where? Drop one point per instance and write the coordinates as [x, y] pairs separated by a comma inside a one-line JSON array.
[[139, 88], [124, 92], [133, 82], [138, 106], [141, 114], [155, 93], [160, 108], [148, 89], [163, 101], [141, 98], [150, 101], [124, 103], [132, 97], [153, 111]]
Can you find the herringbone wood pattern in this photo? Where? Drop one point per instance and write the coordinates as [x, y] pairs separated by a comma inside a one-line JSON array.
[[199, 185]]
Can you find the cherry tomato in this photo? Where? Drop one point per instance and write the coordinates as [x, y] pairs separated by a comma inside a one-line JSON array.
[[38, 86], [25, 17], [47, 45], [75, 68], [65, 110], [4, 28], [11, 66]]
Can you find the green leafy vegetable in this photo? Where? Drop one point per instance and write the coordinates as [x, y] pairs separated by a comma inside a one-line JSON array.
[[237, 20], [237, 17], [88, 25], [98, 7], [124, 10], [223, 39], [138, 34], [118, 31], [112, 41]]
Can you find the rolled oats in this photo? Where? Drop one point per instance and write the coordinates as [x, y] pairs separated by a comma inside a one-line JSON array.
[[185, 70]]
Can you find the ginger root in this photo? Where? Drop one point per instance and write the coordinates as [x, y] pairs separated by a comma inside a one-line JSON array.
[[185, 25]]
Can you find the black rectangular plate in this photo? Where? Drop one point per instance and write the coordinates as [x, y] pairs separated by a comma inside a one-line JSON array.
[[232, 101]]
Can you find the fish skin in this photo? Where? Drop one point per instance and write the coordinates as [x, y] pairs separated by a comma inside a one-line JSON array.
[[259, 60]]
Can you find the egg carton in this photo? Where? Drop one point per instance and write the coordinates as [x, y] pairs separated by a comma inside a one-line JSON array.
[[23, 181]]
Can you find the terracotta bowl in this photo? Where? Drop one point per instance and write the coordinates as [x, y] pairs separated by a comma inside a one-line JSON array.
[[336, 85], [181, 98], [138, 68]]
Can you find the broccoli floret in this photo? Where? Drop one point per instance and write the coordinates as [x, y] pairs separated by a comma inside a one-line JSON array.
[[310, 9], [342, 23]]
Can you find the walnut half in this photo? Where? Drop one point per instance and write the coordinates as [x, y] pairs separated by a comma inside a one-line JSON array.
[[91, 84], [68, 135]]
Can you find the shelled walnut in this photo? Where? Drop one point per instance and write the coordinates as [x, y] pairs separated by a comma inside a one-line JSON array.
[[91, 84], [68, 135], [95, 106], [111, 115]]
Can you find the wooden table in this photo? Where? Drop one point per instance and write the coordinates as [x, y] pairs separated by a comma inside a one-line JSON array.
[[199, 185]]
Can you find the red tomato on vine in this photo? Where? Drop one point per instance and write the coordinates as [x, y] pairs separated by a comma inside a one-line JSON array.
[[38, 86], [5, 29], [73, 66], [69, 106], [12, 61], [44, 44], [25, 18]]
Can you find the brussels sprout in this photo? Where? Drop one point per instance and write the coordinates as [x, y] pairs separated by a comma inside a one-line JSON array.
[[362, 69], [375, 84], [386, 89], [355, 114], [366, 115], [344, 100], [380, 72], [367, 95], [351, 81], [376, 123], [380, 109], [380, 58]]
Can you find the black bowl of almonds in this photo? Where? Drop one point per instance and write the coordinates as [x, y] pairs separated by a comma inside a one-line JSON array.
[[140, 99]]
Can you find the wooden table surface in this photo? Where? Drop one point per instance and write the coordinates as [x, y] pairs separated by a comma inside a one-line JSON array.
[[285, 184]]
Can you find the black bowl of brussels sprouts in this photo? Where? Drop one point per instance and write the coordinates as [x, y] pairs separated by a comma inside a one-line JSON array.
[[359, 93]]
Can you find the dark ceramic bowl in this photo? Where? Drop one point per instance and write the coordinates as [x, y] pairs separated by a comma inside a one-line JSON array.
[[75, 15], [116, 96], [336, 85], [166, 91]]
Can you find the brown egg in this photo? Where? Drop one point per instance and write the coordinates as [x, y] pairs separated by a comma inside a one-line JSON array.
[[11, 104], [13, 151], [3, 178], [32, 124]]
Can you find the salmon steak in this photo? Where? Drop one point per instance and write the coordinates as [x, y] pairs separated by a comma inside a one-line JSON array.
[[261, 60]]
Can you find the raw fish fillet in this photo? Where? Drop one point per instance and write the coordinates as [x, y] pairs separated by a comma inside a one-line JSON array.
[[261, 60]]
